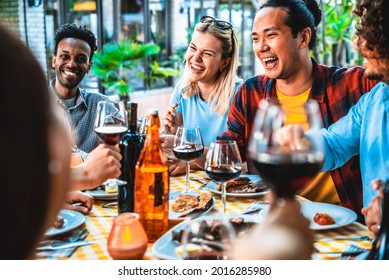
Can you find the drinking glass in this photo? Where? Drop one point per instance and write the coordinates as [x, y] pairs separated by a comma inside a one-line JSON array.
[[111, 126], [223, 163], [188, 145], [286, 170], [208, 239], [143, 127]]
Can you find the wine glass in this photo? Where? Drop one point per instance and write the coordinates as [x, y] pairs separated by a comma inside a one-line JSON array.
[[110, 127], [223, 163], [208, 238], [143, 127], [188, 145], [286, 170]]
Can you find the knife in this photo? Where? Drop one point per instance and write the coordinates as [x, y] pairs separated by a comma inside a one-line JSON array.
[[60, 246], [361, 238]]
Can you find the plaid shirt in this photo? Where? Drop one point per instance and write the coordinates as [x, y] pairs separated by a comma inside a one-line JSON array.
[[336, 90], [82, 116]]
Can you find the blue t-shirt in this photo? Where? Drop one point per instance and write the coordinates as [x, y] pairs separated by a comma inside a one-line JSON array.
[[197, 112], [364, 131]]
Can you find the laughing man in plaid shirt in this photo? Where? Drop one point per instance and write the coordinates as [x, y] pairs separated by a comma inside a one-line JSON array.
[[282, 34]]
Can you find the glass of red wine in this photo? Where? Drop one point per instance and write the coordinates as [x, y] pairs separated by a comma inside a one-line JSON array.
[[208, 238], [223, 163], [188, 145], [287, 170], [110, 127]]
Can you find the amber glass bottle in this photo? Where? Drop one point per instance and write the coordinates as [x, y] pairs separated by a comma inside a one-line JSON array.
[[152, 183]]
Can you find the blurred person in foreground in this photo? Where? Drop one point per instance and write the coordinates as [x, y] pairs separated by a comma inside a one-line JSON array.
[[72, 60], [34, 167], [283, 33], [284, 235], [365, 129], [210, 71]]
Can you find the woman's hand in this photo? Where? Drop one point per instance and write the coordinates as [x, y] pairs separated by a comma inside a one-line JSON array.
[[171, 120]]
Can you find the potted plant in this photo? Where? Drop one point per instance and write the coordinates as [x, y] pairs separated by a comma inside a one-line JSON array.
[[115, 64]]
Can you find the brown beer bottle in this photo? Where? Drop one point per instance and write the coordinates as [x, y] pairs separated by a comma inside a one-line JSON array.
[[152, 182]]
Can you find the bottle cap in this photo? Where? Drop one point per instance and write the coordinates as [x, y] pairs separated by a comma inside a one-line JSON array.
[[132, 104], [152, 111]]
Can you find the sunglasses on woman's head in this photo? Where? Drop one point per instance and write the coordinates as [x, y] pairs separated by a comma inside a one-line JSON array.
[[220, 24]]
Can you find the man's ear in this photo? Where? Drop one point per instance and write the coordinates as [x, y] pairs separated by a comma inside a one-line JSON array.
[[306, 36], [90, 66], [53, 59]]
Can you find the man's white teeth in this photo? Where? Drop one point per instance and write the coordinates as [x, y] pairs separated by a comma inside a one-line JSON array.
[[69, 73], [267, 59]]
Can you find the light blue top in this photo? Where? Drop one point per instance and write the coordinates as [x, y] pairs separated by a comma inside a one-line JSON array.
[[364, 130], [197, 112]]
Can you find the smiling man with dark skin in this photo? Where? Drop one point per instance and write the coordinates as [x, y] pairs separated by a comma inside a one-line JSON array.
[[72, 60]]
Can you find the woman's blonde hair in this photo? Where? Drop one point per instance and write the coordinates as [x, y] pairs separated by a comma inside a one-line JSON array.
[[224, 87]]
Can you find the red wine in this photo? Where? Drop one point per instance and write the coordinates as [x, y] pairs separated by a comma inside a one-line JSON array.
[[288, 173], [209, 256], [188, 152], [110, 134], [223, 173]]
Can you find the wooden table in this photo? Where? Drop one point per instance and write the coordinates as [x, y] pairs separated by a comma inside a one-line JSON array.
[[99, 222]]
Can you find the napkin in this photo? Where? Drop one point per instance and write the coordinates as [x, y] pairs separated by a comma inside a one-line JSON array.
[[77, 234]]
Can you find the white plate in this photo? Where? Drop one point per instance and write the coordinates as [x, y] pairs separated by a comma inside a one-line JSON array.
[[100, 194], [211, 186], [165, 248], [72, 220], [176, 215], [342, 216]]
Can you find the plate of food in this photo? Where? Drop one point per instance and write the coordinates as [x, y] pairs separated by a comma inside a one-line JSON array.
[[109, 192], [323, 215], [65, 221], [167, 246], [244, 186], [189, 205]]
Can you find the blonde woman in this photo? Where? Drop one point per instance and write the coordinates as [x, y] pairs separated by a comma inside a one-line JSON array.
[[209, 82]]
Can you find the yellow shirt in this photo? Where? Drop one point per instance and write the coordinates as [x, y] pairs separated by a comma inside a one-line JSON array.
[[322, 188]]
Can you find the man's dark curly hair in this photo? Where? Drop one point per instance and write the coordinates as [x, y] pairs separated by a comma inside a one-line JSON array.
[[373, 27], [300, 14], [70, 30]]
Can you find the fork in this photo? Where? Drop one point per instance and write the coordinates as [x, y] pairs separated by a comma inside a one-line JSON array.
[[182, 92]]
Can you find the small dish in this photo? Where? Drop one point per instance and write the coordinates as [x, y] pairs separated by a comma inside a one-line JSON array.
[[211, 186], [177, 215], [72, 220]]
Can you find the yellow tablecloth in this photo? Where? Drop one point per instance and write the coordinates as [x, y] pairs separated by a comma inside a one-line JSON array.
[[99, 222]]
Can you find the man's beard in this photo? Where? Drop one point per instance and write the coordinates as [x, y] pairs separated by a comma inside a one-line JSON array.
[[374, 76]]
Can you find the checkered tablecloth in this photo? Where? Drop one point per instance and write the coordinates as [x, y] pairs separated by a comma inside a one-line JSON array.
[[99, 223]]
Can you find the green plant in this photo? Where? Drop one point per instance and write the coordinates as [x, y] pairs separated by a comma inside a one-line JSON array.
[[115, 64], [335, 33]]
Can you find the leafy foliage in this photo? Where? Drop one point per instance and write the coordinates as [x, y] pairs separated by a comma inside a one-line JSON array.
[[335, 40], [117, 61]]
